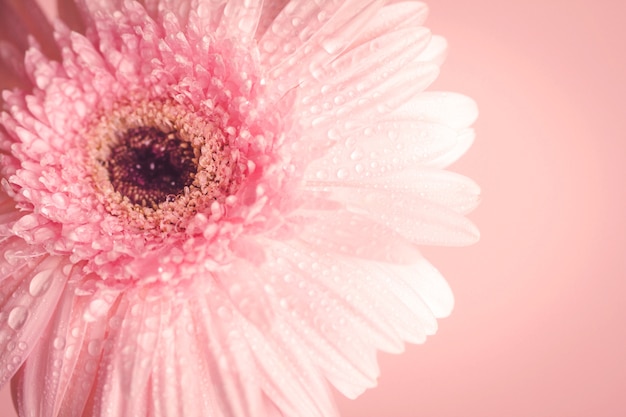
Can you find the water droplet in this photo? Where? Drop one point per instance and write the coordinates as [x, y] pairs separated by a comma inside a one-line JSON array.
[[342, 173], [59, 342], [69, 352], [22, 345], [269, 46], [5, 335], [75, 332], [96, 309], [17, 317], [339, 100], [94, 347], [40, 283], [356, 155], [321, 174], [224, 313]]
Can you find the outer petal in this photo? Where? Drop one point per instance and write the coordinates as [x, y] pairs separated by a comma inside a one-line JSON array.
[[313, 33], [450, 109], [60, 372], [19, 19], [357, 91], [129, 356], [31, 287], [394, 16], [343, 309]]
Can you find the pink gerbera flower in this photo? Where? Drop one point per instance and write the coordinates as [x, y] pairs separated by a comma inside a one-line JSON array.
[[211, 207]]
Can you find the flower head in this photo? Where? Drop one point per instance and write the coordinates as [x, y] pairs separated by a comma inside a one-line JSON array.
[[212, 207]]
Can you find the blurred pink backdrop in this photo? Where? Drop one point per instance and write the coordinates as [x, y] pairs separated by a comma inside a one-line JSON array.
[[539, 325]]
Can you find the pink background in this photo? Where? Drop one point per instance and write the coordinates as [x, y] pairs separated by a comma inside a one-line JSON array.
[[539, 326]]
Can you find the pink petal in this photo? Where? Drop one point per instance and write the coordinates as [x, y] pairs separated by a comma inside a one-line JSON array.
[[20, 18], [392, 17], [337, 229], [410, 215], [222, 356], [12, 72], [451, 109], [445, 188], [69, 12], [329, 30], [129, 356], [288, 377], [352, 77], [394, 49], [436, 51], [271, 8], [59, 375], [379, 149], [240, 20], [31, 287], [181, 8], [342, 309]]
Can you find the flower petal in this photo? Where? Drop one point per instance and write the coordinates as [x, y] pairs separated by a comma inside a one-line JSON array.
[[30, 288], [450, 109], [436, 51], [240, 20], [306, 31], [445, 188], [379, 149], [410, 215], [19, 19], [221, 356], [394, 16], [343, 309], [59, 375], [129, 356], [12, 72], [345, 232], [288, 377]]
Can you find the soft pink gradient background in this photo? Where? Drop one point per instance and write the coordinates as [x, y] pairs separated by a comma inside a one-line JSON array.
[[539, 326]]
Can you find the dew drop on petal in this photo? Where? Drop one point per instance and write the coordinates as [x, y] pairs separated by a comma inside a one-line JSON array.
[[225, 313], [58, 342], [91, 367], [96, 309], [17, 317], [356, 155], [40, 283], [70, 351], [94, 347], [5, 335]]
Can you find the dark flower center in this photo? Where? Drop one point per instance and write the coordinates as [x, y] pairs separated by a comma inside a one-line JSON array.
[[149, 166]]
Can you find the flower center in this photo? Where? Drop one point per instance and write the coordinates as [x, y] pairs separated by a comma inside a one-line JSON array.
[[157, 164], [149, 166]]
